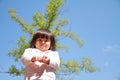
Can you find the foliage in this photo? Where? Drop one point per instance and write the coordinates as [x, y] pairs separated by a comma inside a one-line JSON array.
[[50, 20]]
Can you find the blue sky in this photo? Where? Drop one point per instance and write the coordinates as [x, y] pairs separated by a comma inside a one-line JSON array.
[[96, 21]]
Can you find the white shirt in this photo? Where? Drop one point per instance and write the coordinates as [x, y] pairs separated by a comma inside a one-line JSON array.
[[38, 70]]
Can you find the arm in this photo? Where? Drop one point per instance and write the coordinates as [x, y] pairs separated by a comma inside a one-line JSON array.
[[26, 57], [51, 59], [54, 60], [29, 60]]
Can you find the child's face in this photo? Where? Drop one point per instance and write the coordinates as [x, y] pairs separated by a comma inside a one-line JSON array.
[[43, 44]]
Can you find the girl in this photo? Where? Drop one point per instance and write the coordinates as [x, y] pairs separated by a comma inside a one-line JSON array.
[[41, 60]]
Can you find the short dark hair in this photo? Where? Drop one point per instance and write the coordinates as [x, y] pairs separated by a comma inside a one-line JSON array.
[[44, 33]]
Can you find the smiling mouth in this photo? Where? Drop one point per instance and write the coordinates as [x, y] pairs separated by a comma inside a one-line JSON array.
[[42, 46]]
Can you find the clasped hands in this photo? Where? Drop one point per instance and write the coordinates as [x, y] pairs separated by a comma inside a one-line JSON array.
[[43, 59]]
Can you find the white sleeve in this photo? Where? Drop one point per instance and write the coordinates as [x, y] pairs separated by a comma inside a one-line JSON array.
[[54, 60], [26, 59]]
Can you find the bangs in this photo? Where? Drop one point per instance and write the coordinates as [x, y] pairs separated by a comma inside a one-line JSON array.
[[39, 35], [42, 34]]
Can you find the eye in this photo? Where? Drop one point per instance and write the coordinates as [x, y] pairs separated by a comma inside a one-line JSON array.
[[39, 40], [46, 40]]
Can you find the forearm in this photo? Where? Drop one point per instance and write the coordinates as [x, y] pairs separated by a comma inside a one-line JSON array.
[[54, 61]]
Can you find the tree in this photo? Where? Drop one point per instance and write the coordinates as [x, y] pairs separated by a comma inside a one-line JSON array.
[[50, 20]]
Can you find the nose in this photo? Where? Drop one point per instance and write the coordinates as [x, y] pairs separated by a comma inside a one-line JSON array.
[[43, 42]]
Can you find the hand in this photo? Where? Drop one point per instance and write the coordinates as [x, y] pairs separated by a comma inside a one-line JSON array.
[[33, 59], [37, 58], [46, 60]]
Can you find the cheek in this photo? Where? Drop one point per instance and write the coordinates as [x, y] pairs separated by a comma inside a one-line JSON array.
[[48, 44], [36, 44]]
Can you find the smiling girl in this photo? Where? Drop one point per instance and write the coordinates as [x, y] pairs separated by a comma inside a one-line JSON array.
[[41, 59]]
